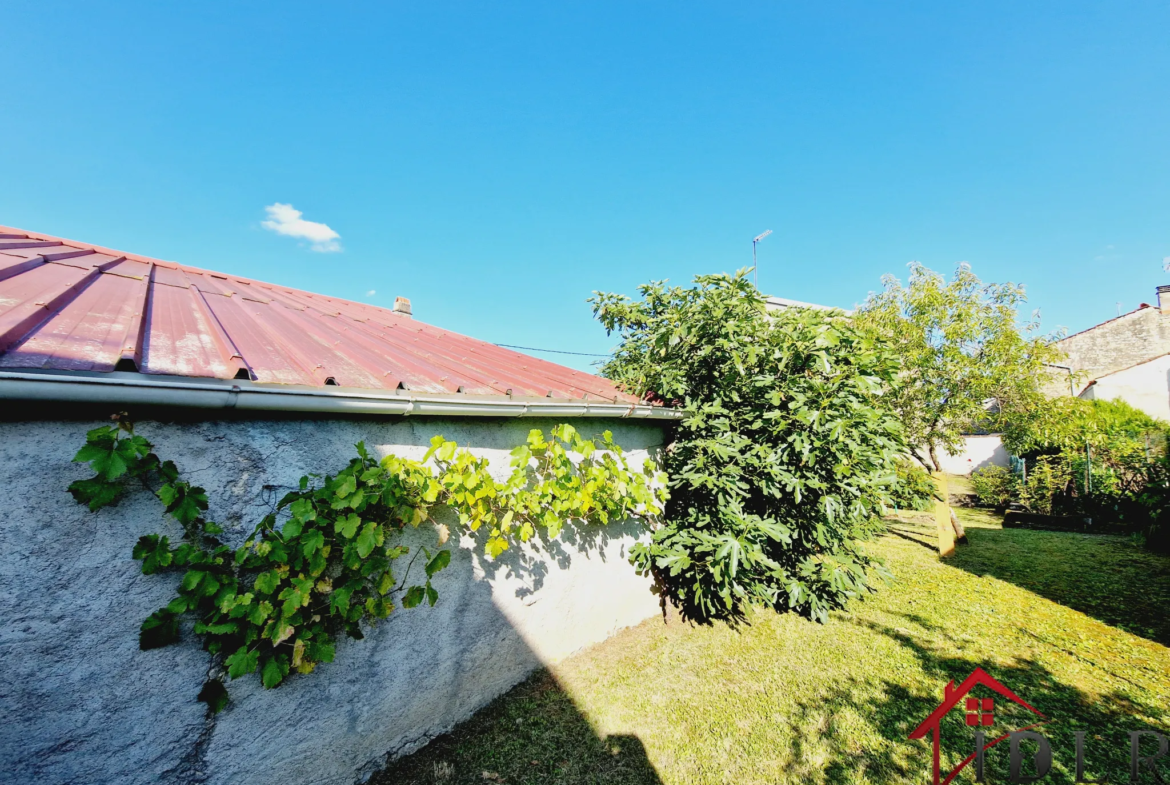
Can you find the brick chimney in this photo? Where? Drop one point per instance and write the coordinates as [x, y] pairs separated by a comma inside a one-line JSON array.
[[1164, 299], [402, 305]]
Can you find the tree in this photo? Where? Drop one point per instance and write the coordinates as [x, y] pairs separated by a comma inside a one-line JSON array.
[[967, 362], [785, 457]]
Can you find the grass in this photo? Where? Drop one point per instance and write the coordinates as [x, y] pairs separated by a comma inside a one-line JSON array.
[[1074, 624]]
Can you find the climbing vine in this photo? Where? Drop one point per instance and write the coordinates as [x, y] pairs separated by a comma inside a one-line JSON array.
[[321, 563]]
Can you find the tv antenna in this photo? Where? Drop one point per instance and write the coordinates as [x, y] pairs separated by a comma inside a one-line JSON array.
[[755, 269]]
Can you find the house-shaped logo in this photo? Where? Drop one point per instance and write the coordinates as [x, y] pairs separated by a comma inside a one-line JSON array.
[[979, 712]]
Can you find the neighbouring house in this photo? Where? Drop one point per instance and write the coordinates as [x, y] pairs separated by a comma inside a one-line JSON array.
[[248, 386], [1126, 358], [782, 303]]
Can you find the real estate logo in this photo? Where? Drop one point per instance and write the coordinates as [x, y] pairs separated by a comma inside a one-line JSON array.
[[980, 713]]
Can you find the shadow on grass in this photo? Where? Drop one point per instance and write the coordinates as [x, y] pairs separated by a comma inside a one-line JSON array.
[[533, 734], [851, 754], [1107, 577], [854, 728]]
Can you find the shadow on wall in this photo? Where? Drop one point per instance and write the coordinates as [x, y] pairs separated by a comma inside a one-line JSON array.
[[85, 704], [534, 734]]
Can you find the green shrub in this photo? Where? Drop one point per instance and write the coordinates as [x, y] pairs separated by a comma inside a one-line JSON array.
[[1046, 485], [994, 486], [1155, 502], [914, 488], [1089, 457], [786, 455]]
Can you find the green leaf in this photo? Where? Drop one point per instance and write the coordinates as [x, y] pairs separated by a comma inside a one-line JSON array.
[[227, 628], [91, 452], [303, 510], [95, 493], [243, 661], [259, 612], [367, 540], [292, 528], [160, 629], [214, 694], [413, 597], [347, 526], [321, 652], [339, 600], [178, 605], [312, 541], [441, 560], [347, 486], [266, 582], [274, 671], [192, 579]]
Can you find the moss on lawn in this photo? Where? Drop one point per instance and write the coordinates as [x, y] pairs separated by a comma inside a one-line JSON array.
[[1074, 624]]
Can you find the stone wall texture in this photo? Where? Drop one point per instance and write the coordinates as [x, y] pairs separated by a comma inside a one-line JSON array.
[[1127, 359], [1111, 346], [82, 704]]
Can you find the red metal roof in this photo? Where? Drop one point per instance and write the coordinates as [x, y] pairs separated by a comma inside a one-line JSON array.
[[70, 306]]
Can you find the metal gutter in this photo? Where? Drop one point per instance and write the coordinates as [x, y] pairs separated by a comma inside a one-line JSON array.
[[134, 389]]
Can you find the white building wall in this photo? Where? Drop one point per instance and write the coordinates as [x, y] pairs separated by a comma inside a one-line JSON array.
[[1145, 387], [978, 452], [82, 703]]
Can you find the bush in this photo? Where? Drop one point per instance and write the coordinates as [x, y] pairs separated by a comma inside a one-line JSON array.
[[1098, 459], [1155, 501], [786, 455], [914, 488], [994, 486]]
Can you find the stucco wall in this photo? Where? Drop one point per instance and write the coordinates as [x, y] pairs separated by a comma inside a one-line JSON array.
[[81, 703], [1145, 386]]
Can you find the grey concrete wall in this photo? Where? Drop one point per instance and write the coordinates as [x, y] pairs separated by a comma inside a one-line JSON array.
[[82, 704]]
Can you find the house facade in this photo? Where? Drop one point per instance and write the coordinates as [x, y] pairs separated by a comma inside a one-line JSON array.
[[1126, 358], [249, 386]]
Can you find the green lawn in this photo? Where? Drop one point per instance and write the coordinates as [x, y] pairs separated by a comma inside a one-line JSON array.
[[1074, 624]]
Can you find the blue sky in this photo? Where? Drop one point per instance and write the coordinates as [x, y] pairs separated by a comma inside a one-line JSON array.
[[497, 162]]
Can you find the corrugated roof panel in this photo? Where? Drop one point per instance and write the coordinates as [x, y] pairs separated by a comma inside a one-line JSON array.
[[178, 339], [308, 345], [170, 276], [88, 307], [30, 298], [11, 265], [86, 335], [264, 353], [128, 268]]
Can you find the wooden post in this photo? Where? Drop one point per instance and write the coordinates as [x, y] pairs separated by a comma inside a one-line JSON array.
[[942, 517]]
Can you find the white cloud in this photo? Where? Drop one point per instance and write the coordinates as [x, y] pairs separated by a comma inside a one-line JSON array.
[[1166, 263], [286, 219], [370, 293]]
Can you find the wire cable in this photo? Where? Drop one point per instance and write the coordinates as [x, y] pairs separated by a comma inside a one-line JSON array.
[[553, 351]]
